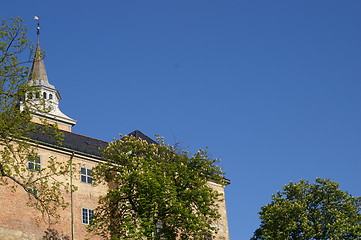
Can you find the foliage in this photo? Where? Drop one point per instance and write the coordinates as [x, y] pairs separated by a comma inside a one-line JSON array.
[[16, 147], [311, 211], [52, 234], [156, 192]]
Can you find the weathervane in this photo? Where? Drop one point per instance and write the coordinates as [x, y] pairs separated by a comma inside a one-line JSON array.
[[38, 27]]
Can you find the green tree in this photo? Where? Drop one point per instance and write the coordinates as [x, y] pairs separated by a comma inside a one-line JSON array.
[[156, 192], [19, 164], [305, 211]]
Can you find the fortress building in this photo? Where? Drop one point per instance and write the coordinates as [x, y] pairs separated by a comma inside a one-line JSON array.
[[17, 220]]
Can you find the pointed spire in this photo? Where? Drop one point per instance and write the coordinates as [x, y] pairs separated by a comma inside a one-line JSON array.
[[38, 71], [39, 80]]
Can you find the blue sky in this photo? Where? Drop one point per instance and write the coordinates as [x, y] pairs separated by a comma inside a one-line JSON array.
[[270, 87]]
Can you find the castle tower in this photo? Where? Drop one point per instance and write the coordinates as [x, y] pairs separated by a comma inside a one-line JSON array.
[[45, 99]]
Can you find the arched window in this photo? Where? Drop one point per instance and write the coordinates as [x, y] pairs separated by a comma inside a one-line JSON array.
[[30, 95], [50, 96], [37, 95], [44, 95]]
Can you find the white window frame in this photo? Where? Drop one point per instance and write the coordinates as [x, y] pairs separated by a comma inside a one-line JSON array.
[[86, 175], [86, 215], [34, 162], [33, 190]]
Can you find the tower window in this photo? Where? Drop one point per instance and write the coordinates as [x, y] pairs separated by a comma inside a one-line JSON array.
[[86, 215], [85, 175], [37, 95], [50, 96], [34, 162], [30, 95], [44, 95]]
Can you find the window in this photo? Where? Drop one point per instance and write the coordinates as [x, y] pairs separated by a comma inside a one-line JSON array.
[[37, 95], [50, 96], [207, 237], [34, 162], [158, 229], [87, 214], [30, 95], [44, 95], [33, 191], [85, 175]]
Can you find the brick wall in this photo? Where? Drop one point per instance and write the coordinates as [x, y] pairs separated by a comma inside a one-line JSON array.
[[18, 221]]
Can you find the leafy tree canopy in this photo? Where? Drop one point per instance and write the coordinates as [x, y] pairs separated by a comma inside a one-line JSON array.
[[156, 192], [20, 165], [306, 211]]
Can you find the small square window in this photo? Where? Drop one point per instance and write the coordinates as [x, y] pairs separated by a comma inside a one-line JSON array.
[[33, 191], [34, 162], [87, 214], [85, 175]]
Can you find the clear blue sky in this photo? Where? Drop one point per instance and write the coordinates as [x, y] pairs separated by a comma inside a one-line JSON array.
[[271, 87]]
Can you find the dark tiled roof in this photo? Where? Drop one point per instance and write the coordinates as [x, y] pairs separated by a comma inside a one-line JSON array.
[[83, 144], [78, 143], [139, 134]]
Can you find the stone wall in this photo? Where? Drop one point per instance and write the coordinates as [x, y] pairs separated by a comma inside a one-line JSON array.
[[222, 225], [11, 234], [18, 221]]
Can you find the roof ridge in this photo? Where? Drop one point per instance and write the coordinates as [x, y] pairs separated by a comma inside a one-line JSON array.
[[84, 136]]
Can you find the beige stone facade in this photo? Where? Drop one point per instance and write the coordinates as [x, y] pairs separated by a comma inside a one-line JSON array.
[[222, 225], [18, 221]]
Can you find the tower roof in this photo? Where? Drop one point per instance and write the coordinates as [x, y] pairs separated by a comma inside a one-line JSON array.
[[38, 79], [38, 71]]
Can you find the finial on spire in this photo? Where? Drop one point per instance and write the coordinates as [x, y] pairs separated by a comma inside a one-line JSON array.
[[38, 27]]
